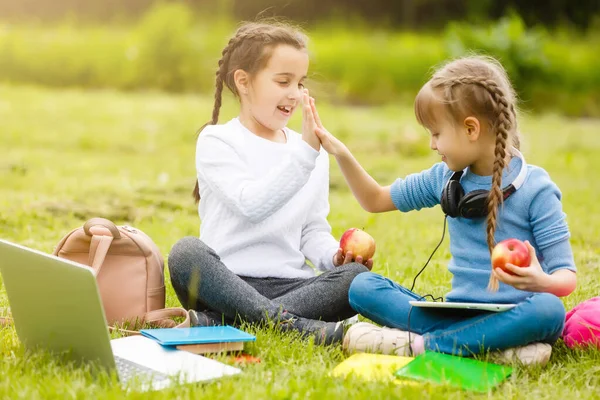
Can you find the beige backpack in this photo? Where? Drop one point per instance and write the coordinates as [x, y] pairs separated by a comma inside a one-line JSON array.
[[129, 269]]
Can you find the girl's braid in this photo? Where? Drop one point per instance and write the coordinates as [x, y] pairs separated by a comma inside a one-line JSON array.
[[506, 120], [221, 76]]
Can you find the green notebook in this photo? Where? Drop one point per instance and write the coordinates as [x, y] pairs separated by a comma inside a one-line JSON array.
[[465, 373]]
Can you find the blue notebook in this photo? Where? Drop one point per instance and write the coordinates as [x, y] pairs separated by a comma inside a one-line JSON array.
[[197, 335]]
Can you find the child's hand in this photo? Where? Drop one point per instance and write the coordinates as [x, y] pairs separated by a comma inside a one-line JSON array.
[[329, 142], [531, 279], [340, 259], [308, 123]]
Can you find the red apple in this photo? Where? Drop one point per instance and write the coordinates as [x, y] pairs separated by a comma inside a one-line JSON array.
[[359, 242], [510, 251]]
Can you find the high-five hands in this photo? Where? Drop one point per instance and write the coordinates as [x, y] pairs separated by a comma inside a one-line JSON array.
[[308, 123], [315, 134], [329, 142]]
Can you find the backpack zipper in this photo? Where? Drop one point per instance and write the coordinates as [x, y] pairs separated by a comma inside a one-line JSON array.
[[129, 229]]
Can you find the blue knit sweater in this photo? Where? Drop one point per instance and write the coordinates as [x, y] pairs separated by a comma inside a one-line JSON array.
[[534, 213]]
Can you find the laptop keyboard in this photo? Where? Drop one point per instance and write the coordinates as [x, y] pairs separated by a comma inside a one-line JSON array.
[[128, 369]]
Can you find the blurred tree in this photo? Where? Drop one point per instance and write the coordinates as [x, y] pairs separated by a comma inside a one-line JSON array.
[[578, 13], [97, 10], [408, 14], [403, 13], [426, 13]]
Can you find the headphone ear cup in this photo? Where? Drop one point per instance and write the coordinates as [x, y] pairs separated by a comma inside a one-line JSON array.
[[473, 204], [451, 196]]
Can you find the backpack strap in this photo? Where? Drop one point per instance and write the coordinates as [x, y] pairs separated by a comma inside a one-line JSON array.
[[102, 222], [100, 244], [98, 249], [160, 318]]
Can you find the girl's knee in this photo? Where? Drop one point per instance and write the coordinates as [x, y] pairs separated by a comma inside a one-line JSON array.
[[362, 286], [186, 255], [549, 310], [189, 244], [354, 269]]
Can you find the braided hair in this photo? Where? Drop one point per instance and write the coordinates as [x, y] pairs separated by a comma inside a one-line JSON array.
[[249, 49], [477, 86]]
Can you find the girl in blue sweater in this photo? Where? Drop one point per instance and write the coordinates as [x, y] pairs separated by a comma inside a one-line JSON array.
[[490, 194]]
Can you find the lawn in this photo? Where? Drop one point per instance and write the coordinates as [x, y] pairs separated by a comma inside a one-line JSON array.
[[71, 155]]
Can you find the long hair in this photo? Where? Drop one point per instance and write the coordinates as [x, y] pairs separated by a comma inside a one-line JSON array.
[[249, 49], [476, 86]]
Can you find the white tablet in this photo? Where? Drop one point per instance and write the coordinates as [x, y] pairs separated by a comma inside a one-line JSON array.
[[468, 306]]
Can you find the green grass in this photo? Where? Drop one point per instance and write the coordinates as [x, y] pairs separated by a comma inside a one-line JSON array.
[[71, 155]]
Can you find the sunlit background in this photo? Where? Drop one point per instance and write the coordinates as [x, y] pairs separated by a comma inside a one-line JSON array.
[[100, 102], [363, 52]]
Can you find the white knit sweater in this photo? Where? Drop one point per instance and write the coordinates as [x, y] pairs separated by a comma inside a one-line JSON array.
[[264, 204]]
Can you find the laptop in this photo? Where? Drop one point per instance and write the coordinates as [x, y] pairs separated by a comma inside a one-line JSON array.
[[56, 306], [495, 307]]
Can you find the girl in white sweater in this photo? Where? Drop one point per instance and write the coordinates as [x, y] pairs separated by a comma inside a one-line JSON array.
[[263, 201]]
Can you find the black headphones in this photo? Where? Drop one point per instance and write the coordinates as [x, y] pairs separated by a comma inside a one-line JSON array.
[[455, 203]]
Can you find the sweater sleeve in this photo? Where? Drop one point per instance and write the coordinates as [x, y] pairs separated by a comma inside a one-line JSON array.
[[420, 190], [222, 168], [549, 226], [317, 244]]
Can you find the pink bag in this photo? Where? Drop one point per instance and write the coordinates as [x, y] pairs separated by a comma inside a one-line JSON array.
[[129, 269], [582, 325]]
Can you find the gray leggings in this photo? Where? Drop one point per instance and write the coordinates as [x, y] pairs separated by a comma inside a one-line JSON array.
[[202, 282]]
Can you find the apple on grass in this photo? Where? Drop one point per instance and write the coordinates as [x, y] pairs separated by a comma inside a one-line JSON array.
[[510, 251], [359, 242]]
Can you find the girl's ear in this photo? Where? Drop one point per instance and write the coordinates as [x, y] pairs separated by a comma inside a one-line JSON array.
[[472, 127], [241, 79]]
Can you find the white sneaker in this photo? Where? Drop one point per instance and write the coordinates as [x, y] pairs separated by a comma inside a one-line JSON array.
[[368, 338], [531, 354]]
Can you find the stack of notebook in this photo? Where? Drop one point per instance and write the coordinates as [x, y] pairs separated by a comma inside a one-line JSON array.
[[201, 339]]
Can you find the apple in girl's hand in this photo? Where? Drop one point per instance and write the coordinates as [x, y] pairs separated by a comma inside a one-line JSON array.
[[510, 251], [359, 242]]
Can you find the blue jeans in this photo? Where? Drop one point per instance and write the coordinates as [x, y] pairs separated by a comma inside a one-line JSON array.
[[539, 318]]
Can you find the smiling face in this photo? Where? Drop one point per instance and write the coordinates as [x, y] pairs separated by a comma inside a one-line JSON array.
[[452, 143], [458, 142], [270, 97]]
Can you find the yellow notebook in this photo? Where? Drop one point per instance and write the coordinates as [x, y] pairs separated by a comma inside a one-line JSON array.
[[371, 367]]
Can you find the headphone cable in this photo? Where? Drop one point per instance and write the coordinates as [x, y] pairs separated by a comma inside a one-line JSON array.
[[429, 259], [427, 295]]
